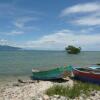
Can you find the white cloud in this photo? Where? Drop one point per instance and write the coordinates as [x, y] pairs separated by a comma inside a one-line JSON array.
[[8, 42], [22, 21], [88, 20], [17, 16], [87, 30], [59, 40], [90, 14], [64, 38], [19, 24], [15, 32], [4, 42], [81, 8]]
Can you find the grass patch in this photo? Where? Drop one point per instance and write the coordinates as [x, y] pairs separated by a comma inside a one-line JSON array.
[[72, 92]]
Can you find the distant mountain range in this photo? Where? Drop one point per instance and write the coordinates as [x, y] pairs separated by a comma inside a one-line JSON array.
[[8, 48]]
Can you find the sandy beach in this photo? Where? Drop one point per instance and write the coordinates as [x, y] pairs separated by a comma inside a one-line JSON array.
[[35, 90]]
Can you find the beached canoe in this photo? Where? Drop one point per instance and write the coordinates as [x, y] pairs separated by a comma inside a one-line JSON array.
[[87, 74], [95, 67], [56, 73]]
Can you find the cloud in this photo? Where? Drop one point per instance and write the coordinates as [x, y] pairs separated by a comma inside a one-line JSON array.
[[87, 14], [22, 21], [64, 38], [18, 18], [88, 20], [8, 42], [4, 42], [13, 32], [81, 8], [59, 40]]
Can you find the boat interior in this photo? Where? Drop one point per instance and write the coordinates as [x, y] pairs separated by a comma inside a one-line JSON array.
[[97, 70]]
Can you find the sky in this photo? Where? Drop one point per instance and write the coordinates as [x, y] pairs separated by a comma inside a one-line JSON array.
[[50, 24]]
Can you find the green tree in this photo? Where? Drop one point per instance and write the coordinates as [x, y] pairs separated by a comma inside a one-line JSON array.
[[72, 49]]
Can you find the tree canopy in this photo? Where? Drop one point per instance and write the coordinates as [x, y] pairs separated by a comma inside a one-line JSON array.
[[73, 50]]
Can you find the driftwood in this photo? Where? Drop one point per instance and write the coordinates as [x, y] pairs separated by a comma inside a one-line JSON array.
[[28, 81], [98, 64]]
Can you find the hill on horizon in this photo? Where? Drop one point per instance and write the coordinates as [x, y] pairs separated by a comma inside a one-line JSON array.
[[8, 48]]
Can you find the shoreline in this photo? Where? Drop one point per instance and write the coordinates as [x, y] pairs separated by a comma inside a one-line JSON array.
[[35, 90]]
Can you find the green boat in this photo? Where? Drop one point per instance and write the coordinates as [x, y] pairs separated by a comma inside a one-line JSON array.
[[56, 73]]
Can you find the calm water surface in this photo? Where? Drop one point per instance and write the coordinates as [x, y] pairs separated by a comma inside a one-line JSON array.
[[20, 63]]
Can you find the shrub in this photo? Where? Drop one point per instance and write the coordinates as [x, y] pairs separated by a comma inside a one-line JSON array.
[[72, 92]]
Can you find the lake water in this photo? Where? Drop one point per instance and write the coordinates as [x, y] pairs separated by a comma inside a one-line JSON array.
[[20, 63]]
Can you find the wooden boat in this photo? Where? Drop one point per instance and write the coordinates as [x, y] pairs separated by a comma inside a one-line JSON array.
[[56, 73], [95, 67], [87, 74]]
